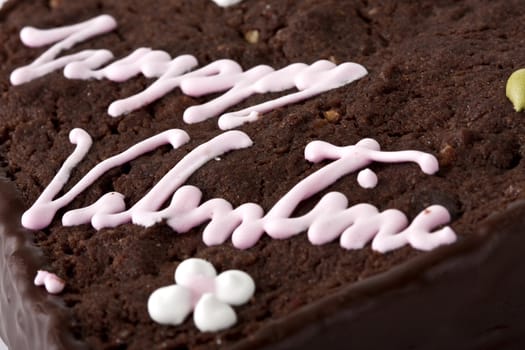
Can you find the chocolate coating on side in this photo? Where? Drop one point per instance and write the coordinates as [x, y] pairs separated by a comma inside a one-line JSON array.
[[31, 318]]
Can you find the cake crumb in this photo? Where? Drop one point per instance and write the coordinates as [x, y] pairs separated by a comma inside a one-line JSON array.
[[252, 36], [447, 155], [373, 11], [54, 3], [332, 115]]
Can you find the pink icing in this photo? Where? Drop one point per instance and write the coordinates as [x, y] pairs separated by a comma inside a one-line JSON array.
[[355, 225], [219, 76], [44, 208], [52, 283], [311, 80], [367, 178], [108, 210], [329, 219], [64, 38]]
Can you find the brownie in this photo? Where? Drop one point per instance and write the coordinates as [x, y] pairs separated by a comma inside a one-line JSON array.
[[436, 83]]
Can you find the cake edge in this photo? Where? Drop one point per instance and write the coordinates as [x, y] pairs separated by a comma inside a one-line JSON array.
[[26, 309]]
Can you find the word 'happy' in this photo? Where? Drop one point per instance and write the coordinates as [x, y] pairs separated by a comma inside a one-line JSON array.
[[171, 73]]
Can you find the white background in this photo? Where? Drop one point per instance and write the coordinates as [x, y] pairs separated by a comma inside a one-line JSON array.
[[2, 345]]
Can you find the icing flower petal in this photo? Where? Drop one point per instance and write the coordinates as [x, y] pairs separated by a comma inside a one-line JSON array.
[[189, 269], [170, 305], [212, 315], [234, 287]]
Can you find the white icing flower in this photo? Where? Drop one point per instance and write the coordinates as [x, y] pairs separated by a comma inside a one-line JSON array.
[[211, 314], [199, 289]]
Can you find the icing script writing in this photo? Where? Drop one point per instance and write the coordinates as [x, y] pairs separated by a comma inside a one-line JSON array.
[[171, 73], [329, 219]]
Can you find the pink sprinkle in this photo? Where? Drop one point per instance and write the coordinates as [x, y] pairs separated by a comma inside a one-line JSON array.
[[52, 283]]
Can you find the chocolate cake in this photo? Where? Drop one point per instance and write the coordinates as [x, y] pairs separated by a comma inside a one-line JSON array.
[[414, 246]]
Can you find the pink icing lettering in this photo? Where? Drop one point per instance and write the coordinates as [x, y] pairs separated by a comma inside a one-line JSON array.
[[123, 69], [108, 210], [173, 78], [278, 224], [330, 218], [140, 213], [311, 80], [64, 38], [45, 208], [219, 76]]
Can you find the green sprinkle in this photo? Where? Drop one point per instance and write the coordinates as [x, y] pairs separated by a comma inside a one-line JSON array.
[[515, 89]]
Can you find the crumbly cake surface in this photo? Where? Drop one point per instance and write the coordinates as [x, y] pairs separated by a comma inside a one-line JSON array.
[[436, 83]]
